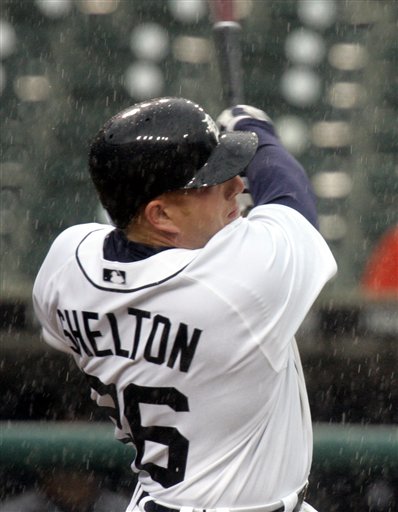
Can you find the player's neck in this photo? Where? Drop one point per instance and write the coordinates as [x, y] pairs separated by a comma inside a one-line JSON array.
[[146, 236], [140, 230]]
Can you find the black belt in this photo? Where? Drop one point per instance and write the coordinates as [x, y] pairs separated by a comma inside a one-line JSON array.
[[152, 506]]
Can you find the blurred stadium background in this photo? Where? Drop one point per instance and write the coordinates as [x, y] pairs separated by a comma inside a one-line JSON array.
[[326, 71]]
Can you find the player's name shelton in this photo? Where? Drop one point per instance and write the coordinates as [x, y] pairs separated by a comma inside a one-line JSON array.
[[154, 337]]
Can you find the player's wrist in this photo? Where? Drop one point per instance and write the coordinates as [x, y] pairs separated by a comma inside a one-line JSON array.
[[229, 119], [247, 124]]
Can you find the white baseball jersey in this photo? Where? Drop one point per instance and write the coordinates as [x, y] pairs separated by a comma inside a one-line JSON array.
[[193, 352]]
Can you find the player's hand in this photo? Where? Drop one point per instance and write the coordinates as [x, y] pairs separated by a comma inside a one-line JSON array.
[[229, 118]]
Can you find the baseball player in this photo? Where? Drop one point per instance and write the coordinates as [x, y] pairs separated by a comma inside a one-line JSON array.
[[182, 314]]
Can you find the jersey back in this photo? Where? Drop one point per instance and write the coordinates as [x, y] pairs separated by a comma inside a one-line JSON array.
[[192, 352]]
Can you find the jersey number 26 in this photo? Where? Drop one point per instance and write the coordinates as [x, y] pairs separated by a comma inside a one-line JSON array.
[[169, 436]]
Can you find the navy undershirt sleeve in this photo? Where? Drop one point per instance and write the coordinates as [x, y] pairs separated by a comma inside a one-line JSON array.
[[275, 176]]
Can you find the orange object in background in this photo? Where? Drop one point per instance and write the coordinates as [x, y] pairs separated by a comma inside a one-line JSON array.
[[380, 277]]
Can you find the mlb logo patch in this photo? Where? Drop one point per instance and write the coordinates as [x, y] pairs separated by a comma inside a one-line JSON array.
[[111, 275]]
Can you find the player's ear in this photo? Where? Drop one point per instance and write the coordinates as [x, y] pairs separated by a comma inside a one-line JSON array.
[[156, 213]]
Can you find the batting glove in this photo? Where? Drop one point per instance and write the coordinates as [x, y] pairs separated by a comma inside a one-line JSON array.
[[229, 118]]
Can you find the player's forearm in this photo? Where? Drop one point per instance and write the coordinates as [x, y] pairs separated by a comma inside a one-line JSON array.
[[275, 176]]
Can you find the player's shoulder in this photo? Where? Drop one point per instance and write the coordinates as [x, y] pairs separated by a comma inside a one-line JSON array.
[[277, 212], [282, 219], [288, 226], [268, 218], [65, 244], [77, 232], [271, 228]]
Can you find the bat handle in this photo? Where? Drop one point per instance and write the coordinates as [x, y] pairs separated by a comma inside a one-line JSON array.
[[227, 41]]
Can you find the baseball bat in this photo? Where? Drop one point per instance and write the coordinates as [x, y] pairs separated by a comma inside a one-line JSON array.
[[226, 32]]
